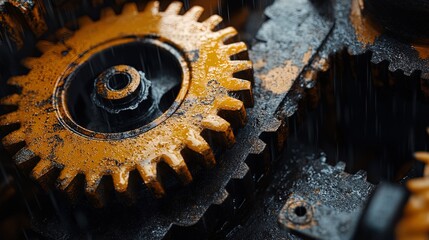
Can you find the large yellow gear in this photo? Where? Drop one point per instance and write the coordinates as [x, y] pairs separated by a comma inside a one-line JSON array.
[[53, 138]]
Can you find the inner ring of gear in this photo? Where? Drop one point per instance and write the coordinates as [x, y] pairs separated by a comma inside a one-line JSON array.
[[60, 98]]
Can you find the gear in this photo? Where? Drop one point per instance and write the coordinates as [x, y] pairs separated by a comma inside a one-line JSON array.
[[359, 33], [12, 27], [414, 223], [58, 83]]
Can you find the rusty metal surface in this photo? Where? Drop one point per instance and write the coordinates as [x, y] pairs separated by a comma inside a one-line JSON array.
[[206, 82], [356, 33], [292, 46], [224, 191], [332, 198]]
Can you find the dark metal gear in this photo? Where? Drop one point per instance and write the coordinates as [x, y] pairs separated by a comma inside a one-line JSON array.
[[359, 33], [308, 198]]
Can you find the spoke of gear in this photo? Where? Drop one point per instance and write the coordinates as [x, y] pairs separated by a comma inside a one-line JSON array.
[[210, 99]]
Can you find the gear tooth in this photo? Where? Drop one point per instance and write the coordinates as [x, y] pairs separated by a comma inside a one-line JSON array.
[[393, 68], [13, 139], [96, 188], [218, 124], [418, 185], [194, 13], [92, 182], [66, 177], [232, 106], [174, 8], [227, 33], [84, 21], [17, 80], [340, 166], [121, 179], [150, 177], [29, 62], [177, 163], [9, 119], [362, 174], [376, 59], [196, 143], [42, 168], [422, 156], [234, 48], [107, 12], [23, 157], [152, 7], [44, 45], [11, 100], [241, 87], [213, 21], [238, 65], [130, 8]]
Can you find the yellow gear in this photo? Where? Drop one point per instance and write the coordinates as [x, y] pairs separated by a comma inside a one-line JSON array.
[[51, 136]]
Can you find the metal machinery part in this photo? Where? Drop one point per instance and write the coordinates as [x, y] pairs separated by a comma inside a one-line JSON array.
[[414, 223], [85, 143], [256, 190]]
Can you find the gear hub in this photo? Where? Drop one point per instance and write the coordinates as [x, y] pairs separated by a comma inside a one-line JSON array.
[[137, 92]]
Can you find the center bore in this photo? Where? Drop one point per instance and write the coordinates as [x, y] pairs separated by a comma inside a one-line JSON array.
[[118, 81], [120, 88]]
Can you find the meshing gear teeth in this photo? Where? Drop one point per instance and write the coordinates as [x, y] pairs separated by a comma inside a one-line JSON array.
[[204, 102]]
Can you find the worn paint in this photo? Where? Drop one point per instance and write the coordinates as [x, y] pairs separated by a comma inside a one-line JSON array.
[[280, 79], [307, 56], [423, 50], [95, 154], [366, 31]]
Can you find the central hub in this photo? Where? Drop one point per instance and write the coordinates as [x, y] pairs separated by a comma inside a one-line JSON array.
[[121, 88]]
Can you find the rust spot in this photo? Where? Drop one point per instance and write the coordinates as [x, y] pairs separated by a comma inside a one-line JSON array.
[[259, 64], [366, 31], [422, 50], [280, 79], [307, 56], [297, 214]]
